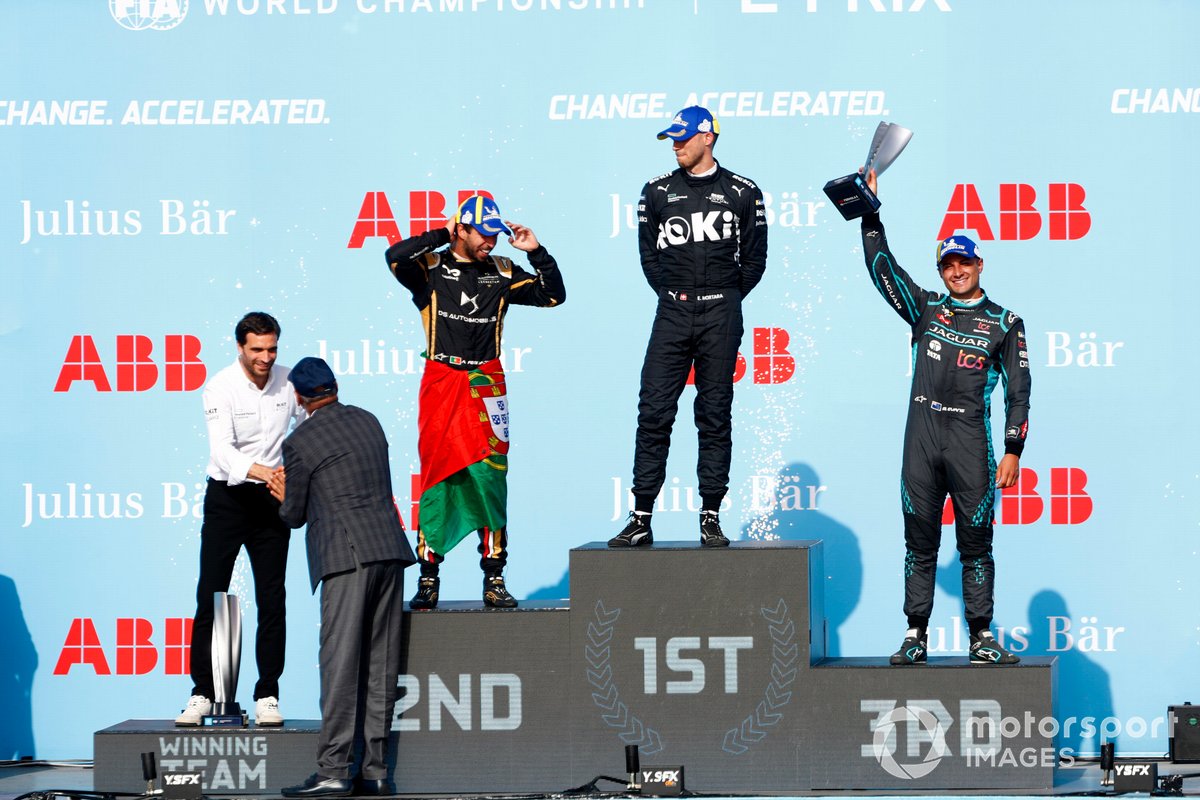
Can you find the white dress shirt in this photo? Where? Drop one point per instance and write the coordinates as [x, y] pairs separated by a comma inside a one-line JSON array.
[[246, 425]]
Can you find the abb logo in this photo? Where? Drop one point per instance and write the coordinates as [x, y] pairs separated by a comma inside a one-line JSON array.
[[415, 505], [1022, 504], [1020, 218], [772, 361], [426, 211], [135, 651], [182, 370]]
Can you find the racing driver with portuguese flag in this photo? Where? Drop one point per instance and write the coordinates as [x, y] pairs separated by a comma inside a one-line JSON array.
[[463, 293]]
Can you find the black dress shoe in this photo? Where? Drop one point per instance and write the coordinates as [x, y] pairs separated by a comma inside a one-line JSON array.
[[375, 787], [316, 786]]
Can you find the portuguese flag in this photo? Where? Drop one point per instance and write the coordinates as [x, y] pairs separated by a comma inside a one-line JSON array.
[[463, 443]]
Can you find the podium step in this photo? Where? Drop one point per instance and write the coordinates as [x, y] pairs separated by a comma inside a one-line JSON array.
[[235, 761], [710, 659]]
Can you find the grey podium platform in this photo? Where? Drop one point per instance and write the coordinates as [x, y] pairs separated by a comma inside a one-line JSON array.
[[709, 659]]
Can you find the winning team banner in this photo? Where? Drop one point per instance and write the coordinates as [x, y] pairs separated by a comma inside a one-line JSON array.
[[172, 164]]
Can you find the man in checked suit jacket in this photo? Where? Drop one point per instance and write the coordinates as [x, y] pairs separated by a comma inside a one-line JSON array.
[[337, 480]]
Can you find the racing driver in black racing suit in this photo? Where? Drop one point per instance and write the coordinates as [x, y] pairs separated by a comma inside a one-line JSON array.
[[702, 236], [463, 293], [963, 344]]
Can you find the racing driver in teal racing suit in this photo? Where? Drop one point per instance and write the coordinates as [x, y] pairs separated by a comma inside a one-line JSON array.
[[963, 344]]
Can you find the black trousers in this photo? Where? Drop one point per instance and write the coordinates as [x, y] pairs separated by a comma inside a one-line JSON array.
[[963, 467], [235, 517], [689, 332]]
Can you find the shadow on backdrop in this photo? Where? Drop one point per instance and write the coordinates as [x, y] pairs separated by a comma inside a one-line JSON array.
[[18, 663], [1083, 689], [1083, 686], [794, 516]]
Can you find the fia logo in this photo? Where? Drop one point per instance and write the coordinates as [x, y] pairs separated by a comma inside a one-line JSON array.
[[140, 15]]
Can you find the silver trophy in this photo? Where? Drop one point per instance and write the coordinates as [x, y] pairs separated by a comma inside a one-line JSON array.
[[850, 193], [226, 661]]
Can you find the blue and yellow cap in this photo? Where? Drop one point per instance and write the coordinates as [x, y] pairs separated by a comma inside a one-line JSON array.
[[482, 214], [689, 122], [957, 246]]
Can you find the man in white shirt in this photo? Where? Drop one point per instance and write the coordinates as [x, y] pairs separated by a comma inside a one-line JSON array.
[[249, 407]]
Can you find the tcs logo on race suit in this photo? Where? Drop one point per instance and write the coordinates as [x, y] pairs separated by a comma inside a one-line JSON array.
[[699, 226], [970, 360], [426, 210], [1022, 504]]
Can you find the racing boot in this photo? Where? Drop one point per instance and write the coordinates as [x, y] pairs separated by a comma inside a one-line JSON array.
[[636, 532], [495, 594], [427, 593], [711, 534], [986, 650], [914, 650]]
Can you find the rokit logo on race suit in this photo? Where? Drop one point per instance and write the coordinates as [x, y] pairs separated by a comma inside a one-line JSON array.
[[700, 226]]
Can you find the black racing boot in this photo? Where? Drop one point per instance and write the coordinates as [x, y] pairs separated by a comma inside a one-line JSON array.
[[986, 650], [711, 534], [914, 649], [495, 594], [427, 593], [636, 532]]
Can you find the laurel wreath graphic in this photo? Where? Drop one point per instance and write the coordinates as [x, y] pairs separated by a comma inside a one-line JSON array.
[[606, 696], [753, 729], [769, 711]]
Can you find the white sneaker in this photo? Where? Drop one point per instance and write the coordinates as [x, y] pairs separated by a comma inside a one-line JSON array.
[[197, 706], [266, 713]]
